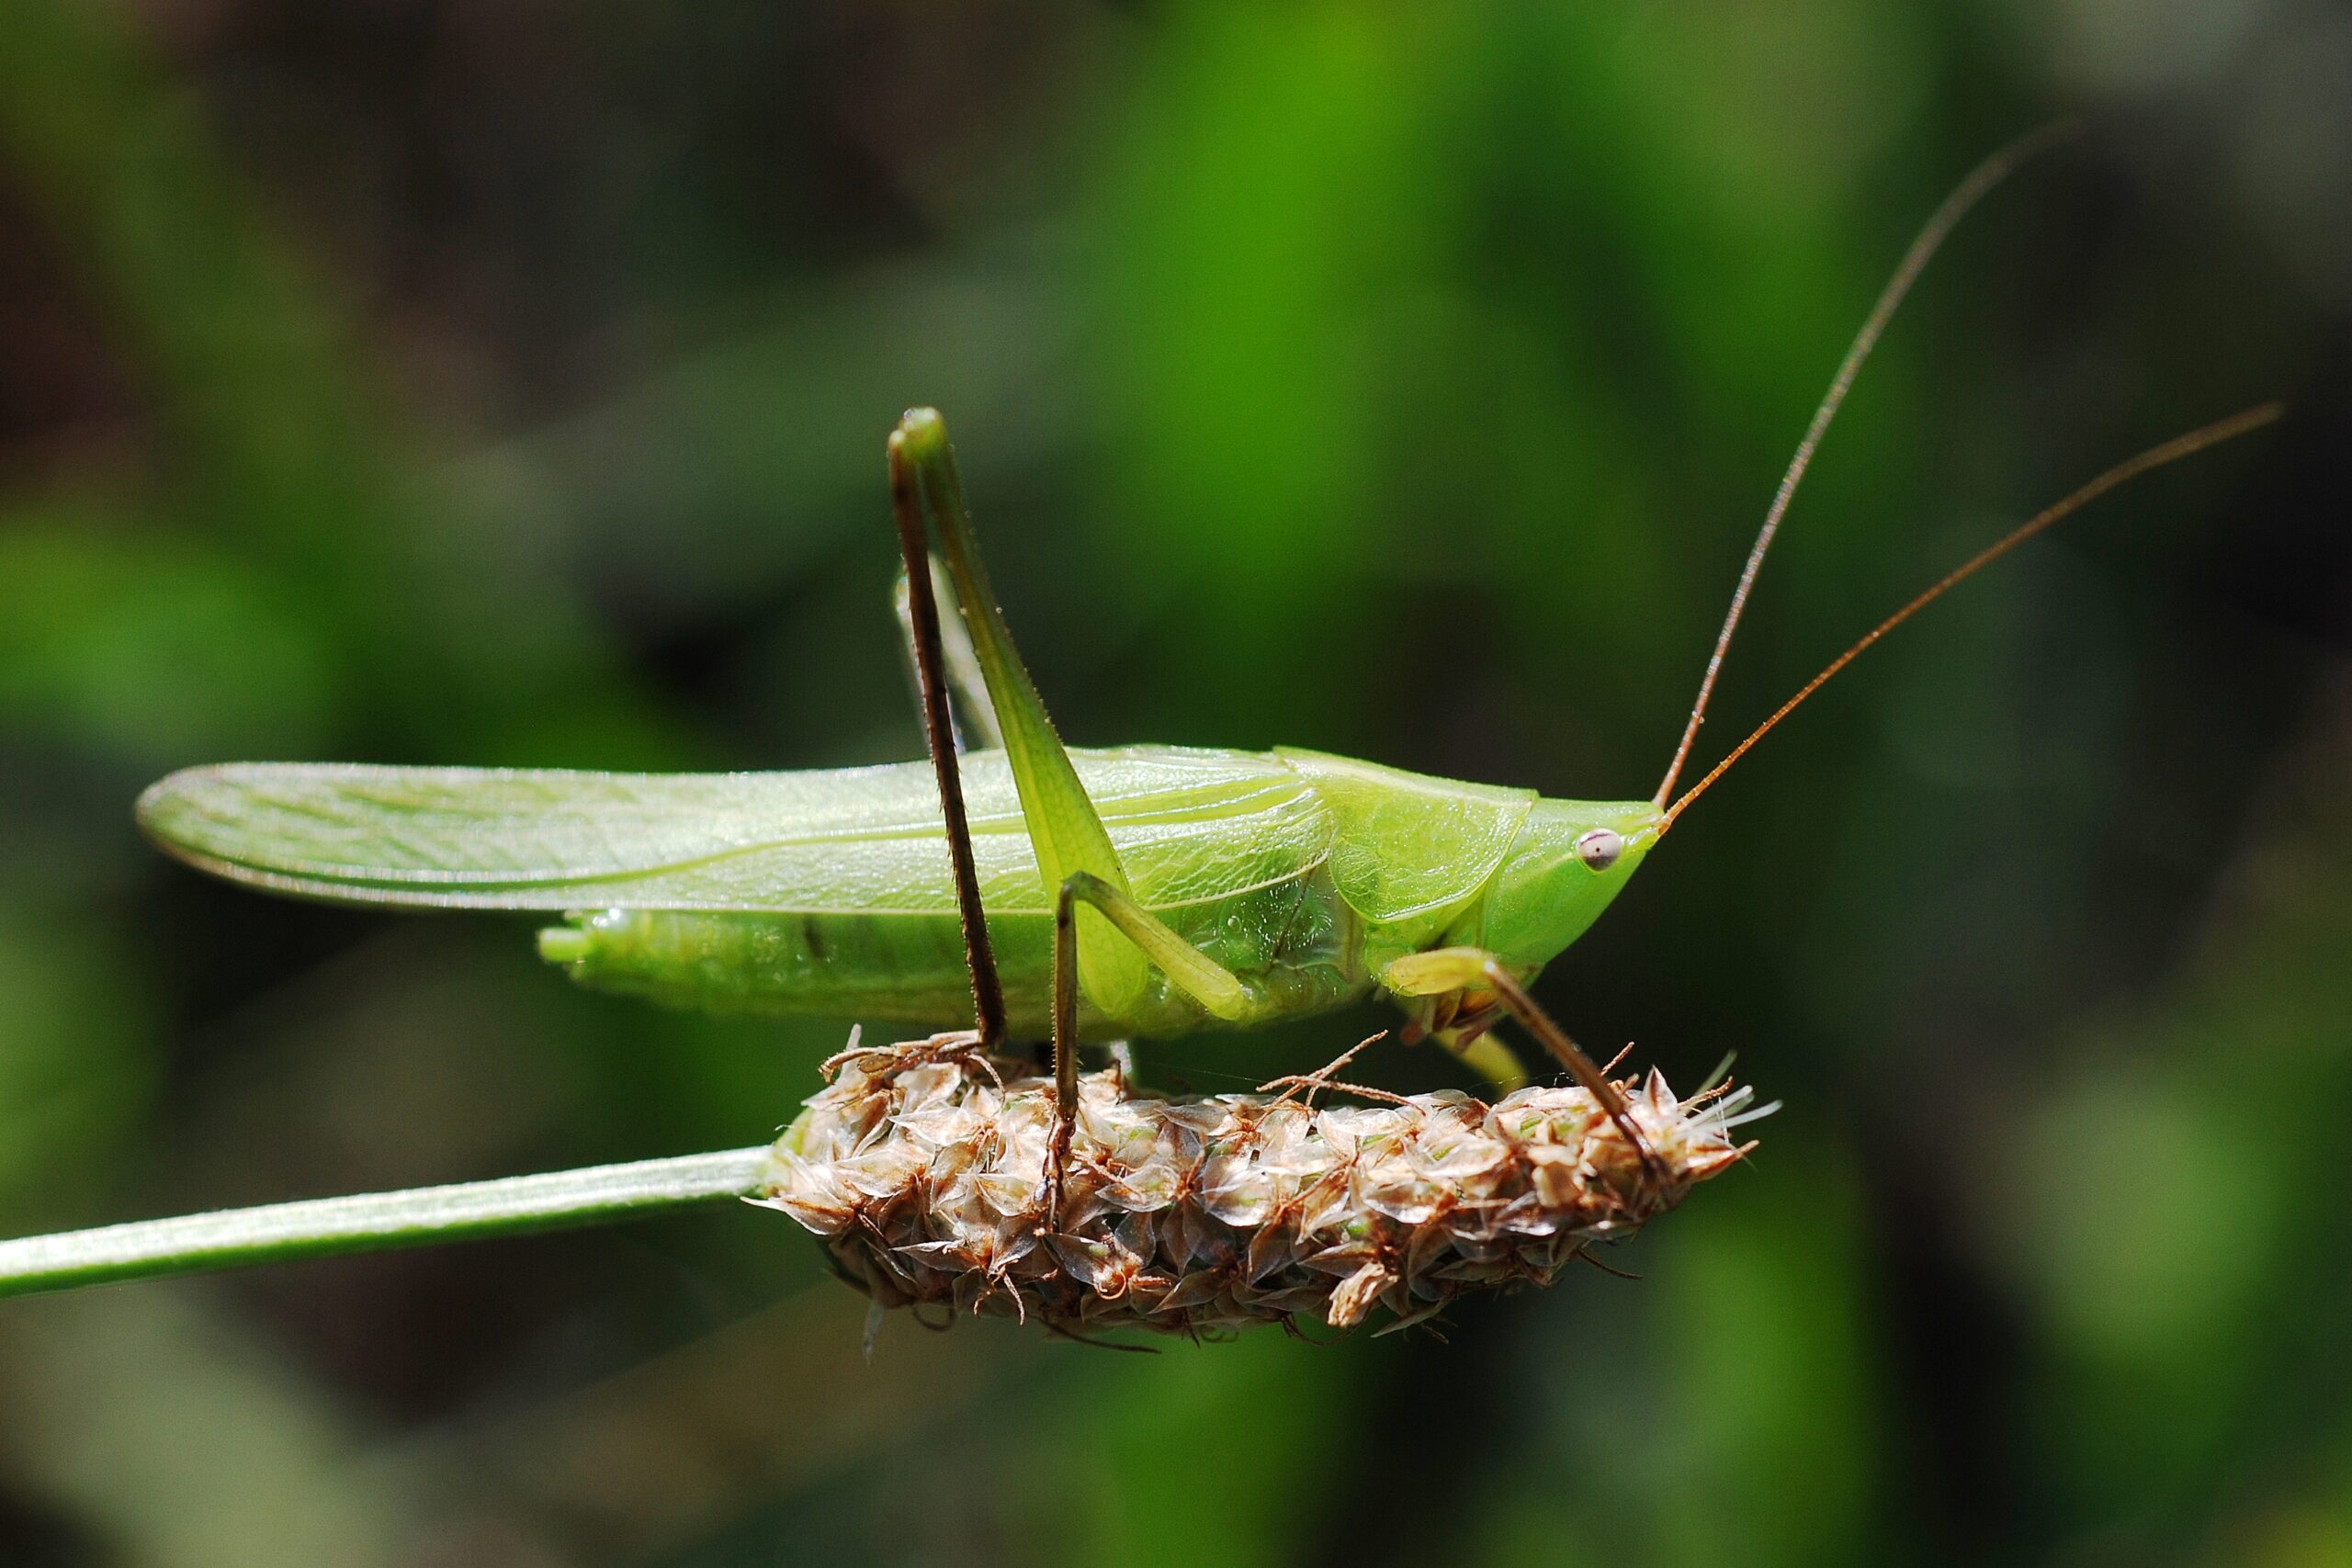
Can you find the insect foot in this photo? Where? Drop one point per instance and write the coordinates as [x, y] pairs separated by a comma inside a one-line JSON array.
[[926, 1174]]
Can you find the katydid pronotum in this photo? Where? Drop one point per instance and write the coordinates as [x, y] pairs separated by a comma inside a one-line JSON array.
[[1140, 891]]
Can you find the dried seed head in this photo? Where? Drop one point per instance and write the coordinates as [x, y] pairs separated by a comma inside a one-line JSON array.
[[924, 1167]]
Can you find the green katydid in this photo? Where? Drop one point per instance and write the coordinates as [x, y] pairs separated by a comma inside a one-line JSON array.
[[1141, 891]]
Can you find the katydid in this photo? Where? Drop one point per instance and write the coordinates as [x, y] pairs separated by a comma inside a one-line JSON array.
[[1139, 891]]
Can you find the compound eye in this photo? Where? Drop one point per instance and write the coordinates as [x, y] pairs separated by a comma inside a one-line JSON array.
[[1598, 847]]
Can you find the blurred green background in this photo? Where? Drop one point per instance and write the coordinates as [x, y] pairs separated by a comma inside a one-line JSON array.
[[506, 383]]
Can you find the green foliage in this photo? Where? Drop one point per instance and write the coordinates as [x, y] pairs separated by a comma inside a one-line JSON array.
[[494, 386]]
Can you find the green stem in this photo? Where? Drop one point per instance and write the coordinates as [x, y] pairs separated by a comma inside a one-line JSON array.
[[370, 1222]]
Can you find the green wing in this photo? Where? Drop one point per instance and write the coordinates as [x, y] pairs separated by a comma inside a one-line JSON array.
[[1189, 825]]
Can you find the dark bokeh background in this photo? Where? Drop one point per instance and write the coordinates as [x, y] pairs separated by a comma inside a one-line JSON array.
[[505, 382]]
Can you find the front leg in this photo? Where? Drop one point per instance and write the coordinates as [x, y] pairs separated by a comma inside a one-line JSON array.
[[1452, 969]]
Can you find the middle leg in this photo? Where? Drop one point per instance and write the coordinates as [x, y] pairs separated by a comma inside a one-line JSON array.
[[1065, 1050], [1219, 990]]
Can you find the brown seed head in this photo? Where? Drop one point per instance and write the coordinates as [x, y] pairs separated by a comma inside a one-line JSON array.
[[924, 1168]]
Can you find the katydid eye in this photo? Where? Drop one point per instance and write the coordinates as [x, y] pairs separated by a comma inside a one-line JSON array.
[[1598, 847]]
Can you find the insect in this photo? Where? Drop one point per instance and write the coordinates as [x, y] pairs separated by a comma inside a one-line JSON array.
[[1140, 891]]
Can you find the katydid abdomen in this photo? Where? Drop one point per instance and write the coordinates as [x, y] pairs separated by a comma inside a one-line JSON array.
[[1293, 941], [827, 893]]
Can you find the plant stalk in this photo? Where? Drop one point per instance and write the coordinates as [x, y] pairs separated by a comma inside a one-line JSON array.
[[371, 1222]]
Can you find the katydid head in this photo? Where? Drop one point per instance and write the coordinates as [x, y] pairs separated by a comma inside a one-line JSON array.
[[1568, 861]]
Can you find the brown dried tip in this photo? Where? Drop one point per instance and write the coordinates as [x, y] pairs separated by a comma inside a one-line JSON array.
[[924, 1167]]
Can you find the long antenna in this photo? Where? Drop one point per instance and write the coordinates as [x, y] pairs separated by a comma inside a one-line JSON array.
[[1985, 175], [2179, 446]]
